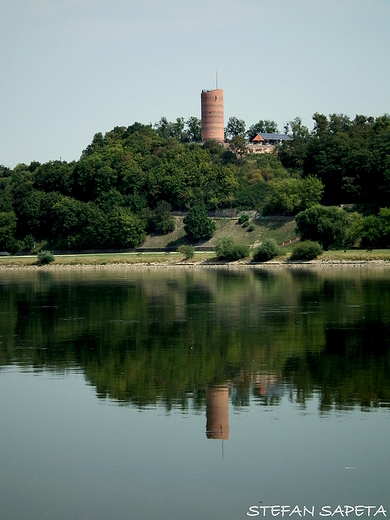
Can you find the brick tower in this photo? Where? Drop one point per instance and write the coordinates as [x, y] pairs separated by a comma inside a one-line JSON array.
[[212, 115]]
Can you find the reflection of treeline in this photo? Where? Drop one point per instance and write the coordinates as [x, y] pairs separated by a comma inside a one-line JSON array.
[[161, 337], [353, 368]]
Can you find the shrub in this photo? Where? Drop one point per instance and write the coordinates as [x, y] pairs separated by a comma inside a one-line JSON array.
[[228, 249], [245, 224], [267, 251], [45, 257], [187, 251], [306, 250], [244, 218], [251, 227]]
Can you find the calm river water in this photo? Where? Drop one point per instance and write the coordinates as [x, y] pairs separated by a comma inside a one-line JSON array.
[[197, 395]]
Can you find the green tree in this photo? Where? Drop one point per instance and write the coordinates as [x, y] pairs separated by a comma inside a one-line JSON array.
[[8, 223], [355, 227], [311, 191], [55, 176], [235, 127], [27, 206], [294, 195], [126, 230], [96, 145], [371, 232], [197, 225], [266, 126], [326, 225], [238, 146], [164, 128], [167, 129], [162, 220], [321, 126], [384, 215], [29, 242], [5, 171], [293, 154], [194, 129]]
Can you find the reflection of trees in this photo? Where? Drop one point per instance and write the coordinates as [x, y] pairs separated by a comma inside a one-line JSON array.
[[148, 337], [353, 368]]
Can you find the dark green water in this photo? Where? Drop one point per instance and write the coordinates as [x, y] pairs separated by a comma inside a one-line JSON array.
[[193, 394]]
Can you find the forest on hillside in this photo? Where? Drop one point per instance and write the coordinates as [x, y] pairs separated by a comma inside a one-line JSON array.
[[126, 181]]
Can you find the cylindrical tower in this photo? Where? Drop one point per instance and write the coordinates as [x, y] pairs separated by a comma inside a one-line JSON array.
[[212, 115]]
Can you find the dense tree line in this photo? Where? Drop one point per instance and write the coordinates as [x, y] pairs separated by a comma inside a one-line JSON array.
[[127, 181], [122, 186], [350, 157]]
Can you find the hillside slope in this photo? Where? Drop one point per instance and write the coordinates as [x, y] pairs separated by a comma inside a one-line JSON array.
[[279, 228]]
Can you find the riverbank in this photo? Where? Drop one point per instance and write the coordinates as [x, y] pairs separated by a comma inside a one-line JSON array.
[[104, 261]]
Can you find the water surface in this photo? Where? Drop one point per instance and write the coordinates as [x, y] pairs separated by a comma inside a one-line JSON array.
[[193, 394]]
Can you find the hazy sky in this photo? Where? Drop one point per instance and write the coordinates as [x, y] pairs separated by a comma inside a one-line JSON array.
[[71, 68]]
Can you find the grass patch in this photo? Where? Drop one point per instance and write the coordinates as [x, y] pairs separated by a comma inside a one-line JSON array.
[[102, 259], [358, 255]]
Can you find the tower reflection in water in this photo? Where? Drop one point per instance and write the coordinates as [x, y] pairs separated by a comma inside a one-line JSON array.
[[217, 413]]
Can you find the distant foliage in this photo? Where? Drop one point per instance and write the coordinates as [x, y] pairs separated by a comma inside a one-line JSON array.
[[228, 249], [268, 250], [45, 257], [187, 251], [306, 250]]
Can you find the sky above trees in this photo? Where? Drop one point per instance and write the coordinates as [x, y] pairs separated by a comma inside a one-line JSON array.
[[76, 67]]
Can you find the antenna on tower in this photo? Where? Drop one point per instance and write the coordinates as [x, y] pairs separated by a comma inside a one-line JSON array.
[[216, 80]]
